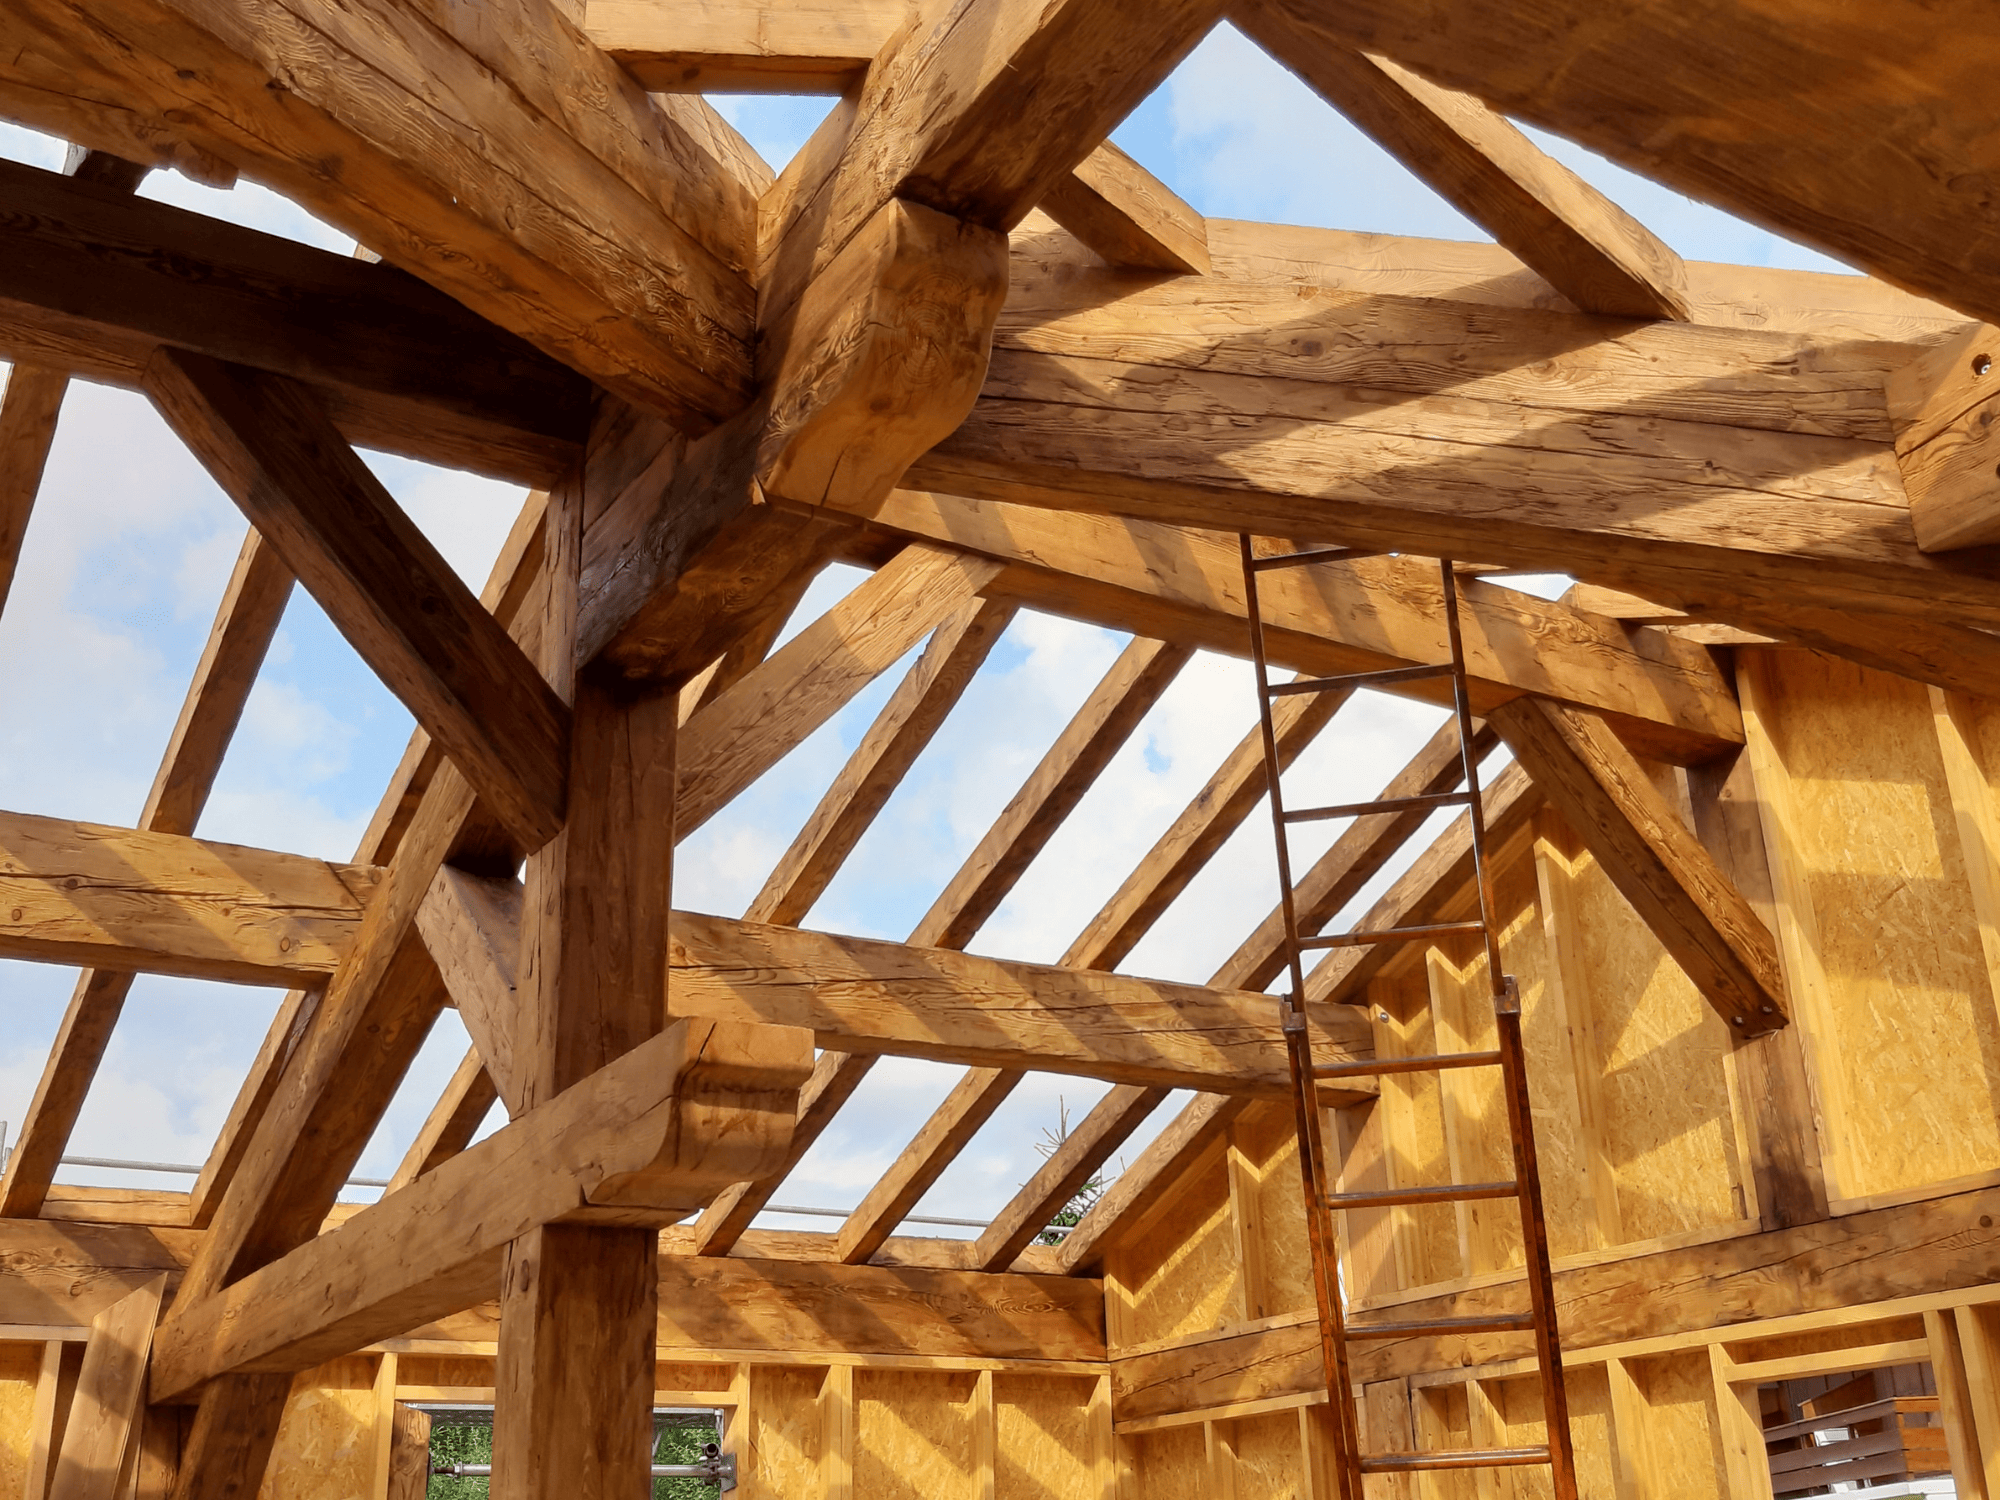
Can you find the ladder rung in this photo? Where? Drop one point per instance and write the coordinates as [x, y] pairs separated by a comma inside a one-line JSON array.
[[1430, 1327], [1452, 1458], [1373, 1066], [1357, 679], [1313, 555], [1449, 1192], [1390, 935], [1380, 805]]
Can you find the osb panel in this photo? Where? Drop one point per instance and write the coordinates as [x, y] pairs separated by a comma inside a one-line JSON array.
[[1907, 989], [326, 1442], [913, 1438], [1475, 1109], [1520, 1404], [1680, 1397], [1667, 1126], [1589, 1390], [424, 1369], [1271, 1134], [1043, 1438], [1567, 1209], [784, 1433], [1269, 1465], [20, 1369], [1193, 1285], [693, 1376], [1172, 1465], [1427, 1237]]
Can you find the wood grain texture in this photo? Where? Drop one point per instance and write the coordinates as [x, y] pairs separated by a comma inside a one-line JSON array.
[[746, 46], [1185, 585], [858, 995], [471, 926], [270, 446], [1128, 216], [1808, 122], [612, 235], [914, 713], [28, 411], [245, 622], [110, 1394], [1653, 858], [1165, 1162], [1942, 405], [1581, 243], [746, 731], [121, 898], [651, 1135], [94, 281]]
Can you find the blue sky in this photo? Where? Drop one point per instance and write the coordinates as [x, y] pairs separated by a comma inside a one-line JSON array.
[[131, 544]]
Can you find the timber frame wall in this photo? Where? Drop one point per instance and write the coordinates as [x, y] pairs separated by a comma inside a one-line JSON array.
[[1748, 853]]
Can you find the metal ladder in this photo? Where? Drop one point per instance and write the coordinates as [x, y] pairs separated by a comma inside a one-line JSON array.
[[1351, 1463]]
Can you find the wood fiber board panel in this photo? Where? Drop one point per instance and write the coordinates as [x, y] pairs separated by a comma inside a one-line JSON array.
[[914, 1435], [1172, 1465], [785, 1433], [1044, 1446], [1660, 1055], [1188, 1284], [1268, 1463], [326, 1440], [1680, 1401], [1908, 1003], [20, 1369]]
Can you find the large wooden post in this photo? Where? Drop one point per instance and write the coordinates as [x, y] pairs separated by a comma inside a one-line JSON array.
[[574, 1387]]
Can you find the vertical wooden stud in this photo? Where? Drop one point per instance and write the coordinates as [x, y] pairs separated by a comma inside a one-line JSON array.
[[1739, 1429], [1104, 1444], [1247, 1217], [837, 1431], [1980, 1351], [1486, 1427], [409, 1453], [1978, 821], [738, 1433], [1119, 1311], [1367, 1236], [1318, 1476], [1568, 989], [1221, 1441], [985, 1437], [52, 1397], [110, 1392], [385, 1424], [1955, 1406], [1632, 1467]]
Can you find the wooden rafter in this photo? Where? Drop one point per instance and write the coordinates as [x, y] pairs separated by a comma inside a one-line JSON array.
[[252, 605]]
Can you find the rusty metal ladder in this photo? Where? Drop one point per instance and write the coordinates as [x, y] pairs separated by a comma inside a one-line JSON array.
[[1350, 1462]]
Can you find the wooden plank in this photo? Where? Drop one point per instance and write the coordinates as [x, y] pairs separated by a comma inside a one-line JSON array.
[[122, 898], [1634, 1469], [1763, 111], [1580, 242], [1654, 859], [838, 1421], [467, 1100], [951, 1126], [1215, 812], [1127, 692], [110, 1391], [270, 446], [28, 412], [631, 1138], [858, 995], [409, 1454], [1739, 1435], [55, 1387], [1072, 1164], [1955, 1403], [811, 677], [613, 235], [746, 46], [1982, 1370], [1179, 584], [252, 605], [93, 282], [906, 724], [1128, 216], [471, 927], [835, 1077]]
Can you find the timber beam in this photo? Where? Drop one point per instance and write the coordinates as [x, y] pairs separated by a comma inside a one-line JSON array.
[[94, 281], [640, 1141]]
